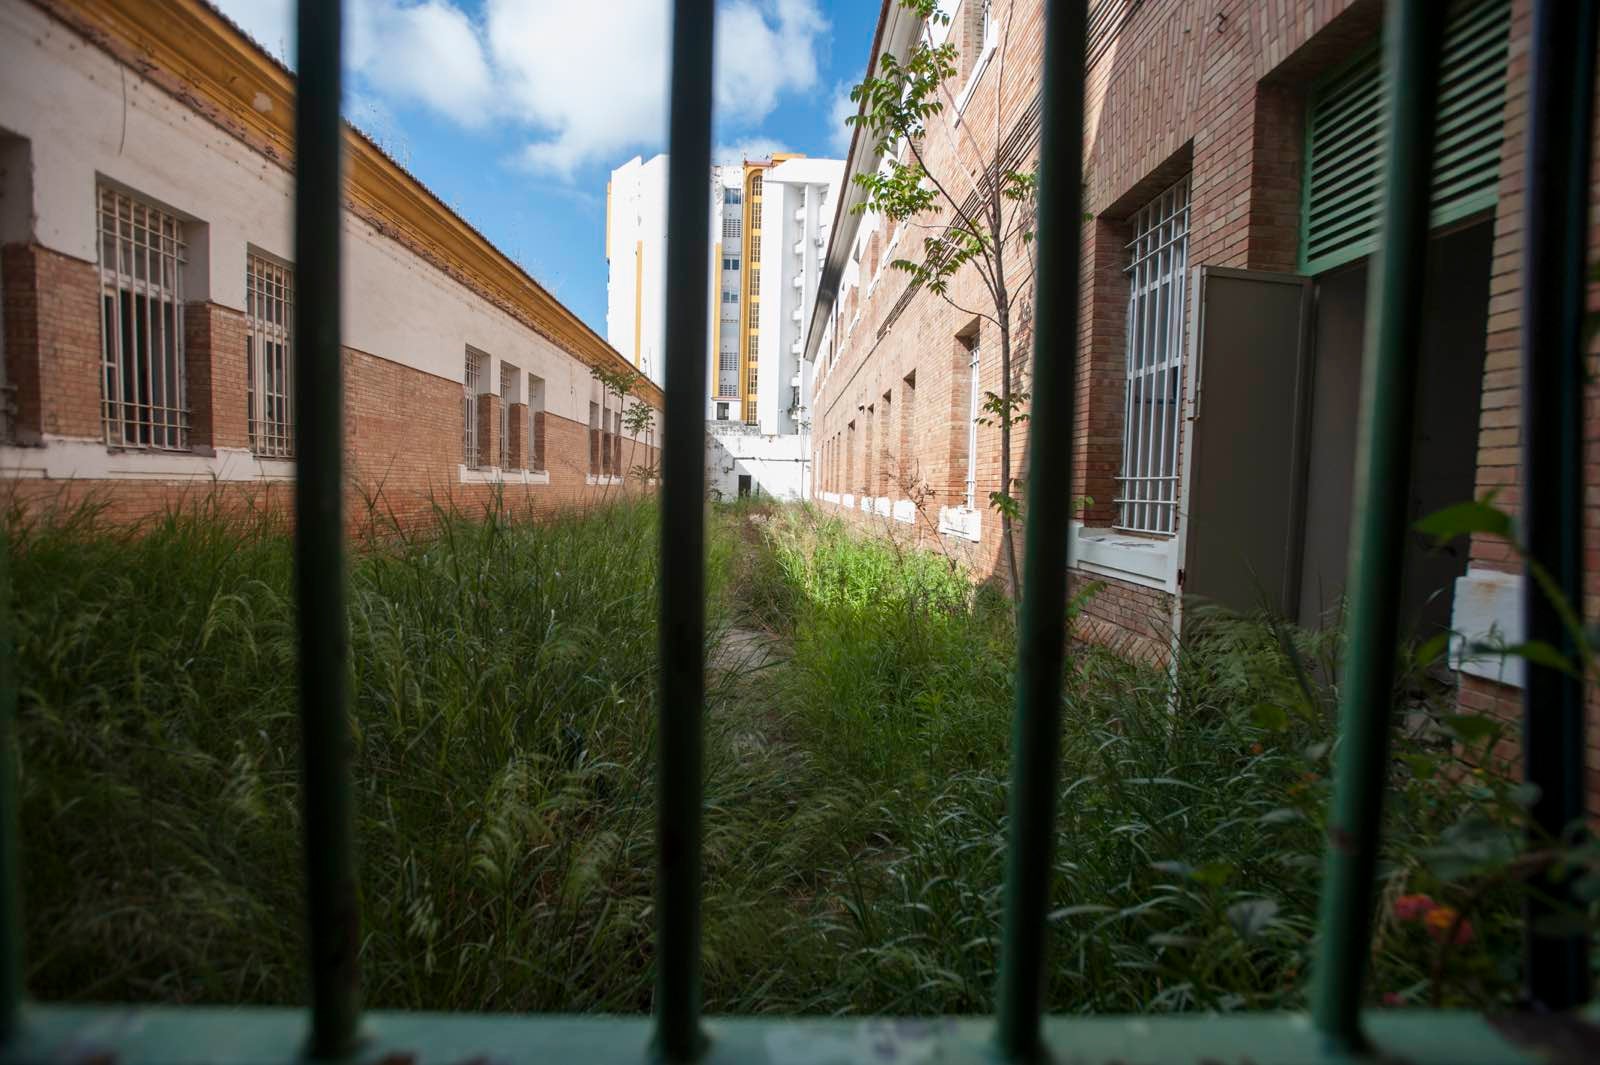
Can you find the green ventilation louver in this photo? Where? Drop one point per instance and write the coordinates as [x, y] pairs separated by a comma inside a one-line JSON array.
[[1344, 127]]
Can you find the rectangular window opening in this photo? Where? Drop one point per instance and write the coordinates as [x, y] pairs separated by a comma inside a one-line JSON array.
[[1147, 488], [269, 356], [476, 366], [144, 401]]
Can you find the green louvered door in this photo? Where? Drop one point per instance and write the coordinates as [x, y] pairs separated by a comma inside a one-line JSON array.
[[1344, 126]]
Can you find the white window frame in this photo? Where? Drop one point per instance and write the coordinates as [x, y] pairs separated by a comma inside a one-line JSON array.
[[510, 392], [972, 424], [142, 255], [269, 356], [476, 364], [1147, 487], [991, 41]]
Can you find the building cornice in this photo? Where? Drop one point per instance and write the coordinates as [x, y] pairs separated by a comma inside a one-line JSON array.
[[196, 54]]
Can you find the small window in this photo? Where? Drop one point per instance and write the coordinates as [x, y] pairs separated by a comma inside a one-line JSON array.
[[1147, 489], [143, 383], [722, 412], [269, 356], [730, 264], [732, 228], [973, 393], [510, 392], [594, 439], [476, 366], [732, 196]]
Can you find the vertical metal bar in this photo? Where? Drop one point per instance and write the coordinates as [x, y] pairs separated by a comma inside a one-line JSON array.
[[678, 798], [1042, 641], [1413, 30], [1561, 102], [334, 921], [10, 816]]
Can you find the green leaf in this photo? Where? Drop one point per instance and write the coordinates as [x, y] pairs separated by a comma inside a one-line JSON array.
[[1472, 728], [1174, 867], [1213, 874], [1541, 654], [1282, 815], [1432, 650], [1464, 519], [1270, 717], [1075, 911], [1251, 917]]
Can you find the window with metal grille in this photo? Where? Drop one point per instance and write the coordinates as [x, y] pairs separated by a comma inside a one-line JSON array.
[[755, 316], [143, 386], [750, 412], [973, 361], [269, 356], [510, 392], [755, 282], [732, 227], [1147, 489], [477, 364], [755, 185]]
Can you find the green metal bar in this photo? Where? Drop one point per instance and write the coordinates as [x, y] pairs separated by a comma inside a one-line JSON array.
[[1041, 644], [678, 1035], [1413, 31], [10, 816], [1561, 97], [334, 920]]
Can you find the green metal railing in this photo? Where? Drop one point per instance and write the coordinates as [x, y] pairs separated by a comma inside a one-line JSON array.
[[1563, 72]]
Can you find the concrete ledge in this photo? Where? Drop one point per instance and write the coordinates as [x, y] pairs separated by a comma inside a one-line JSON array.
[[1487, 610], [69, 459], [1142, 560], [496, 475]]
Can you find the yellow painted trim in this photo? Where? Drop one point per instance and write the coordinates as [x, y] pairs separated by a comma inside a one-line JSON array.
[[638, 297], [193, 52]]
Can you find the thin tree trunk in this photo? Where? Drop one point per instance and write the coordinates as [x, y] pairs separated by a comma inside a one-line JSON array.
[[1008, 539]]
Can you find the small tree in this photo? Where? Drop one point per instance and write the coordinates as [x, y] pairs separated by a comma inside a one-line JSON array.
[[981, 218], [640, 420], [620, 385]]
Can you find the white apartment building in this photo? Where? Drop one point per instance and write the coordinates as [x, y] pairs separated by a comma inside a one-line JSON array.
[[769, 234], [636, 252]]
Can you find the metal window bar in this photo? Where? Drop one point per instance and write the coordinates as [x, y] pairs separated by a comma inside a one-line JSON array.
[[142, 255], [1558, 136], [269, 356], [972, 426], [471, 383], [1147, 488], [509, 377]]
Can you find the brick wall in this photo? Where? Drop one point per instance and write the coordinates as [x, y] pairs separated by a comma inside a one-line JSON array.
[[403, 426]]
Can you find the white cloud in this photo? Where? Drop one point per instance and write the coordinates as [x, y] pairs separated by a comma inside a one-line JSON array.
[[429, 53], [748, 148], [587, 80], [840, 109]]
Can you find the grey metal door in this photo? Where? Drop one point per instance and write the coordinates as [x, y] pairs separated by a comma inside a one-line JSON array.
[[1246, 438]]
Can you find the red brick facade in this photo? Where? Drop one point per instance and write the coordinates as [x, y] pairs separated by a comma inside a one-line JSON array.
[[403, 421], [1217, 90]]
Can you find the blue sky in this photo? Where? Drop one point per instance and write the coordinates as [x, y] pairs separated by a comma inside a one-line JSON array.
[[515, 111]]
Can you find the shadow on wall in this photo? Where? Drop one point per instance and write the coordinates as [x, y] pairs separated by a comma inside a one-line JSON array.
[[742, 463]]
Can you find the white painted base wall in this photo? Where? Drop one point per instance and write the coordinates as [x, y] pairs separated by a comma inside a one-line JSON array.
[[776, 465]]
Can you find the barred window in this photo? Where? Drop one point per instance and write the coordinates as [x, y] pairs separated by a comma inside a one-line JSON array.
[[755, 185], [510, 392], [973, 393], [732, 227], [269, 356], [755, 282], [755, 315], [1147, 497], [143, 386], [477, 364]]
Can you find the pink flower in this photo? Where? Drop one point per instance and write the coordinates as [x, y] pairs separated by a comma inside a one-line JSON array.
[[1413, 907]]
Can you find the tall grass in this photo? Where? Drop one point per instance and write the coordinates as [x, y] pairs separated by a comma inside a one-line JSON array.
[[503, 712]]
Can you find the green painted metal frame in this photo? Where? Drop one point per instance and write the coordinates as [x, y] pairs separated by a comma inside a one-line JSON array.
[[334, 1028]]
